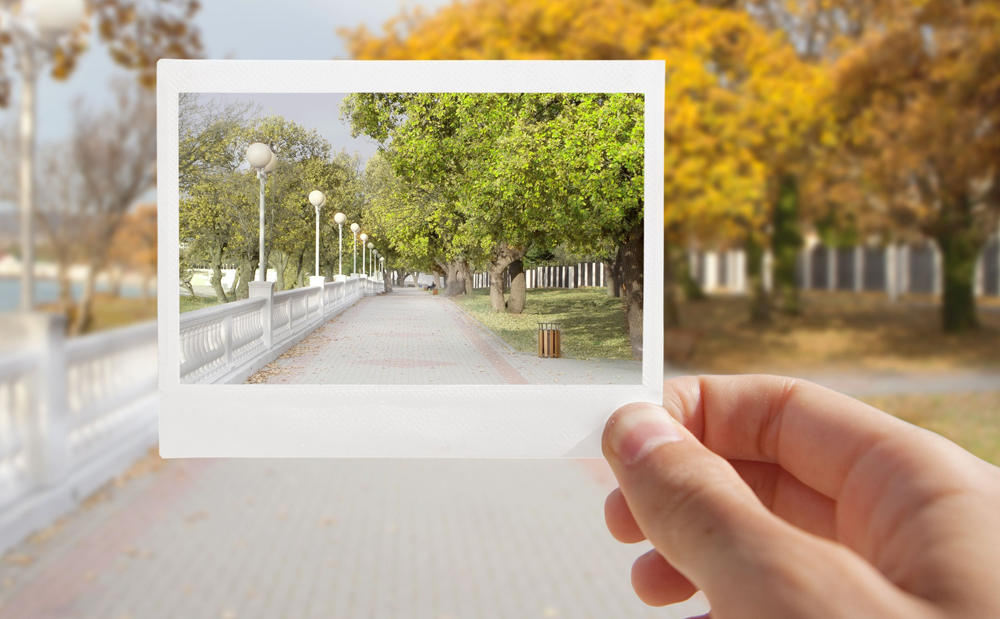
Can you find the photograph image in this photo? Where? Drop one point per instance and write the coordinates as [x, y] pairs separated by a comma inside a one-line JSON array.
[[395, 238]]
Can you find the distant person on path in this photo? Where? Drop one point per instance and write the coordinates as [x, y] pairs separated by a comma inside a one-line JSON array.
[[780, 498]]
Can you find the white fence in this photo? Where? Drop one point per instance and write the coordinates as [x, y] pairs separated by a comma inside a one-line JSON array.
[[579, 275], [73, 415], [229, 342], [895, 269]]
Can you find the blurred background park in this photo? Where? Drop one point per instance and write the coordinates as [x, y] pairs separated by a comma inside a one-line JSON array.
[[832, 208]]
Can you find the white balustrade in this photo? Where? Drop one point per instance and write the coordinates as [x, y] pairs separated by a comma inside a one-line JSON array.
[[73, 415], [227, 343], [17, 373]]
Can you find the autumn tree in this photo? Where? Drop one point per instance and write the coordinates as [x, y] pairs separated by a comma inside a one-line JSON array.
[[115, 151], [134, 245], [919, 105], [739, 102]]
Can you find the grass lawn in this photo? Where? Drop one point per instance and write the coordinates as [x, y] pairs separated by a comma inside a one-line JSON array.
[[592, 324], [970, 419], [111, 311], [836, 331], [193, 303]]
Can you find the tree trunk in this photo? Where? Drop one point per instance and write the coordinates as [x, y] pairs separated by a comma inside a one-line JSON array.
[[959, 252], [760, 306], [437, 279], [518, 287], [454, 283], [114, 281], [220, 292], [692, 289], [613, 275], [300, 272], [467, 276], [387, 279], [85, 308], [280, 260], [502, 256], [631, 258], [65, 288], [786, 243], [244, 275], [144, 286], [671, 313], [497, 301]]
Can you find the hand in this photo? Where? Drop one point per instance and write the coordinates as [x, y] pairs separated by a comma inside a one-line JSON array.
[[780, 498]]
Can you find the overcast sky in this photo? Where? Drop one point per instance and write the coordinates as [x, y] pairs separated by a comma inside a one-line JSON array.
[[248, 29], [313, 111]]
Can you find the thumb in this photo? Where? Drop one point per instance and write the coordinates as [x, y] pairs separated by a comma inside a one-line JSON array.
[[709, 525]]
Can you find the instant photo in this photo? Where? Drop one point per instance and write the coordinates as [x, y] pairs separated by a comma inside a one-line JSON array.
[[384, 259]]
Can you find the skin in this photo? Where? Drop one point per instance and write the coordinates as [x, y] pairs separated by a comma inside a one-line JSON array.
[[780, 498]]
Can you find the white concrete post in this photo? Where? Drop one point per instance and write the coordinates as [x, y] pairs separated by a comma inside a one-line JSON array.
[[978, 278], [49, 447], [572, 278], [265, 290], [711, 271], [904, 271], [831, 268], [807, 272], [767, 270], [938, 280], [859, 268], [741, 271], [892, 272]]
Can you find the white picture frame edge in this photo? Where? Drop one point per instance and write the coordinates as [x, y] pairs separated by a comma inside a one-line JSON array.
[[499, 421]]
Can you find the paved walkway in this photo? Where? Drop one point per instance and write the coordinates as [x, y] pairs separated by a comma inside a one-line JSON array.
[[408, 337], [235, 539]]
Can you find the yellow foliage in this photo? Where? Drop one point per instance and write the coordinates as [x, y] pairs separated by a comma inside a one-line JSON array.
[[740, 104]]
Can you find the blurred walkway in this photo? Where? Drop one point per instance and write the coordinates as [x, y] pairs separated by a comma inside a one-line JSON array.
[[240, 539], [408, 337], [908, 383]]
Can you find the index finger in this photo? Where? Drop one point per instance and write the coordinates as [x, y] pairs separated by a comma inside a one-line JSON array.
[[814, 433]]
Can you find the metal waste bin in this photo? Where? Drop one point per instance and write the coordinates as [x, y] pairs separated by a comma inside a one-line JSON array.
[[549, 339]]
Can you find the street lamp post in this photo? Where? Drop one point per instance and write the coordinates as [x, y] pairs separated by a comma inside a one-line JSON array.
[[340, 218], [261, 159], [371, 246], [375, 263], [363, 237], [317, 198], [33, 30], [354, 231]]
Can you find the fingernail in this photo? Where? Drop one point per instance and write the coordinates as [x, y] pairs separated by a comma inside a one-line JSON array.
[[640, 430]]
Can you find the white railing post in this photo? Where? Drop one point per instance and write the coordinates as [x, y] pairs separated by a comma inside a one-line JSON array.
[[831, 268], [264, 290], [904, 271], [859, 269], [48, 444], [227, 335], [892, 271]]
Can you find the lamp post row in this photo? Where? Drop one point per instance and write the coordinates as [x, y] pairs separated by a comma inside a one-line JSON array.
[[262, 159]]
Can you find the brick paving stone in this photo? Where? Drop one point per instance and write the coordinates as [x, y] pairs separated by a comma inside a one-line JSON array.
[[338, 538], [409, 337]]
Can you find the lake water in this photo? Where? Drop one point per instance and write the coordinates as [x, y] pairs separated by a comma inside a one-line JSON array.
[[47, 291]]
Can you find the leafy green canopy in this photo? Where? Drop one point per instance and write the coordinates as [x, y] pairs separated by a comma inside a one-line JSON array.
[[463, 174]]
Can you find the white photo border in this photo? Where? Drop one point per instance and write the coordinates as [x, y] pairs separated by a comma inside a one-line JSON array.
[[483, 421]]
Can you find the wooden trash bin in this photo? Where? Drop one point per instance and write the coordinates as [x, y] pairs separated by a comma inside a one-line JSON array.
[[435, 292], [549, 339]]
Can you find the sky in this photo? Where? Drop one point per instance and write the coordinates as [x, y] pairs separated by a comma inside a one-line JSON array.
[[246, 29], [311, 110]]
